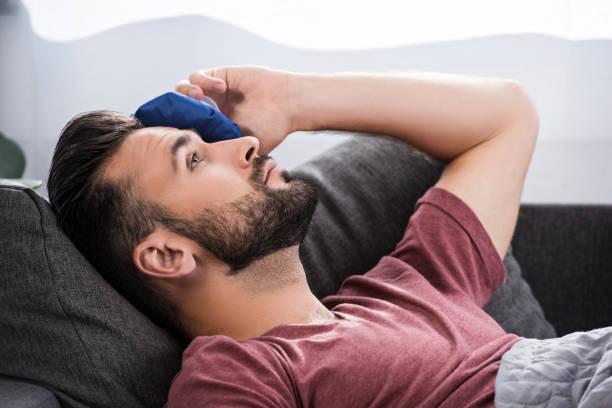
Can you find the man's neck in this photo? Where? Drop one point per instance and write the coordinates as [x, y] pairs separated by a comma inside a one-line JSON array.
[[290, 305], [268, 293]]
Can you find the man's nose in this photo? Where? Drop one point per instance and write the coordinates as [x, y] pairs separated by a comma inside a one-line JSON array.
[[247, 150], [241, 151]]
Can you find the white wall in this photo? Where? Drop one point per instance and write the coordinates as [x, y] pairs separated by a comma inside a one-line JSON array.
[[17, 79], [43, 84]]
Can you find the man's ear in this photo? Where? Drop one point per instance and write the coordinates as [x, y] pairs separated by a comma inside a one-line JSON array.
[[164, 254]]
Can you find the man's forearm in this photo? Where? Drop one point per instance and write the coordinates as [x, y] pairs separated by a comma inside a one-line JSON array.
[[442, 114]]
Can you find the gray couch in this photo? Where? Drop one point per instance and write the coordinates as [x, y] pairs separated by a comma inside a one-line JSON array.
[[69, 339]]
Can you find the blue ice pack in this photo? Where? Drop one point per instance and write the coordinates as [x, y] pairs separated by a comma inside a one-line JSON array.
[[182, 112]]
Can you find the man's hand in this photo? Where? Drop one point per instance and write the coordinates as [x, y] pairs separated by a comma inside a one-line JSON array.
[[255, 98]]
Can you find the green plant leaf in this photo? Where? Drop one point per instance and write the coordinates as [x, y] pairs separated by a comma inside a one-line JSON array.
[[12, 159]]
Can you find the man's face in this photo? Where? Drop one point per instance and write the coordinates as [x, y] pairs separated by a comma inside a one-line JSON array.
[[221, 195]]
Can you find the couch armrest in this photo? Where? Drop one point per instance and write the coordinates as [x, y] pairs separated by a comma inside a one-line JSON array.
[[21, 394], [565, 253]]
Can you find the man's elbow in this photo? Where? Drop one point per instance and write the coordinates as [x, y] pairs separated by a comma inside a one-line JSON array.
[[524, 109]]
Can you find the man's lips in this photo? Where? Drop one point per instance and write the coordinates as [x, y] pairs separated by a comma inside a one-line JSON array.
[[270, 164]]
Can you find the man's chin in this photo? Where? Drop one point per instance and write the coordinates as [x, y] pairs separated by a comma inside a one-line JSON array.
[[258, 224]]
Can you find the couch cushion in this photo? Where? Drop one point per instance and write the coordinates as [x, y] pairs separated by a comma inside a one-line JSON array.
[[571, 276], [21, 394], [66, 329]]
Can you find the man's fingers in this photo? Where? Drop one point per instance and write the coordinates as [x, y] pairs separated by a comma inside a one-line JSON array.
[[185, 88], [207, 82], [201, 83]]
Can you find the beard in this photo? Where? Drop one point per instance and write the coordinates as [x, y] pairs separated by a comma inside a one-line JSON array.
[[257, 224]]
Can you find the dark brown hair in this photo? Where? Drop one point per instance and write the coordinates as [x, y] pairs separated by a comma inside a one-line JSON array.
[[106, 219]]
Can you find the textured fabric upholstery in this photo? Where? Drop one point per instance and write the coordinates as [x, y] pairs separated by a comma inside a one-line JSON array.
[[21, 394], [566, 254], [64, 327]]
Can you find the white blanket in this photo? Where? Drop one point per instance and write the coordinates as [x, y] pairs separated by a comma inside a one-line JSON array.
[[571, 371]]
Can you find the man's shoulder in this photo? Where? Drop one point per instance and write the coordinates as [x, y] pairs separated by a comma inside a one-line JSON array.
[[221, 347], [249, 370]]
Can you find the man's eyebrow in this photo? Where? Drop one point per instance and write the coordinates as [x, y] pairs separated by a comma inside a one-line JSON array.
[[180, 141]]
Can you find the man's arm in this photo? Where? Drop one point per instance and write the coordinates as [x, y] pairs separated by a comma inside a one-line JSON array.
[[483, 128]]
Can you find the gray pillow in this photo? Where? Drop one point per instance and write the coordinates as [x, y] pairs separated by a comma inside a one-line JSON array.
[[22, 394], [63, 327]]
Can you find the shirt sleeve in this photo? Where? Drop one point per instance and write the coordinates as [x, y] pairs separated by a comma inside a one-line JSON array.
[[447, 244], [218, 371]]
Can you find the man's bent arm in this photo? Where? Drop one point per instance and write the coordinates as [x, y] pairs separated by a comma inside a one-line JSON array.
[[442, 114], [484, 128]]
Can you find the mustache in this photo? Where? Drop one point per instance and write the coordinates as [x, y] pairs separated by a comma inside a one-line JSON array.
[[259, 164]]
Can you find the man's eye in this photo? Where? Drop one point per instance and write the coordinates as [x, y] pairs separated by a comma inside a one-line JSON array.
[[193, 161]]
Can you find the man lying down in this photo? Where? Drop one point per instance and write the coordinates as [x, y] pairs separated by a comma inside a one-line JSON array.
[[201, 229]]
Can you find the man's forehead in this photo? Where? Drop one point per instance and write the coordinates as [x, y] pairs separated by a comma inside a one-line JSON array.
[[150, 133], [140, 148]]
